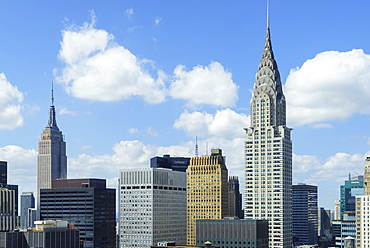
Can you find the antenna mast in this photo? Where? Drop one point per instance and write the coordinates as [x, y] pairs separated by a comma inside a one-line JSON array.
[[52, 93], [196, 147]]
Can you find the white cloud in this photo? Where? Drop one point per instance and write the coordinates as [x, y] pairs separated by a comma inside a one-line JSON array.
[[304, 163], [157, 20], [86, 147], [99, 69], [204, 85], [322, 125], [224, 123], [333, 86], [65, 111], [10, 105], [133, 130], [21, 166], [129, 12], [151, 132]]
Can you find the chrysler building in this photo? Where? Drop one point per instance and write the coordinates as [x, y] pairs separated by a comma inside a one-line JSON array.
[[268, 153]]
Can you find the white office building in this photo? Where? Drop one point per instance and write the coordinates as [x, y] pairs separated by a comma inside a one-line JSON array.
[[152, 207]]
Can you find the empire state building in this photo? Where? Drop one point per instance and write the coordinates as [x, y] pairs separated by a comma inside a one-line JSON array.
[[268, 153], [51, 156]]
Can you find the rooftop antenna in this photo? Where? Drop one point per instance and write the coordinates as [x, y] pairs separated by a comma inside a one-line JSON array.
[[52, 93], [196, 147], [268, 15]]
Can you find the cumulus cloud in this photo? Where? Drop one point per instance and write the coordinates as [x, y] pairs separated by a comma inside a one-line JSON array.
[[304, 163], [333, 86], [10, 105], [210, 84], [98, 69], [21, 166], [224, 123]]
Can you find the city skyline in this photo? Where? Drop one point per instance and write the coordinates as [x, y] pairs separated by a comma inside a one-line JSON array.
[[175, 53]]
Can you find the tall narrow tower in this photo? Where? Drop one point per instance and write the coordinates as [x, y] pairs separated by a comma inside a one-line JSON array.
[[268, 153], [51, 157]]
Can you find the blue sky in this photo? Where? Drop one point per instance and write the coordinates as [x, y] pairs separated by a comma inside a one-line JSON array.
[[137, 79]]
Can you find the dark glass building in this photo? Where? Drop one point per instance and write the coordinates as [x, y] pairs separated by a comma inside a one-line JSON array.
[[87, 204], [304, 215], [174, 163], [235, 198], [3, 173]]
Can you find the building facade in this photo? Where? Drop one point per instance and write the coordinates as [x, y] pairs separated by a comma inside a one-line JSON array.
[[51, 156], [168, 162], [367, 176], [3, 173], [235, 198], [85, 203], [152, 207], [9, 220], [352, 187], [325, 229], [233, 233], [362, 221], [305, 215], [268, 154], [50, 234], [207, 191], [27, 202]]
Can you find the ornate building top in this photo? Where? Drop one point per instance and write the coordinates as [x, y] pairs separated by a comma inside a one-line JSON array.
[[268, 106]]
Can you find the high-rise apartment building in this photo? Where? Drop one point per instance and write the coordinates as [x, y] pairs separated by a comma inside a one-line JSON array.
[[268, 154], [367, 176], [27, 202], [152, 207], [85, 203], [305, 215], [363, 211], [207, 191], [235, 198], [51, 156]]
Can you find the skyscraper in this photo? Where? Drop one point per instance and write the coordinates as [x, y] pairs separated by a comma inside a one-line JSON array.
[[362, 210], [173, 163], [87, 204], [206, 191], [235, 198], [352, 187], [152, 207], [27, 202], [3, 173], [268, 153], [367, 176], [51, 157], [305, 215]]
